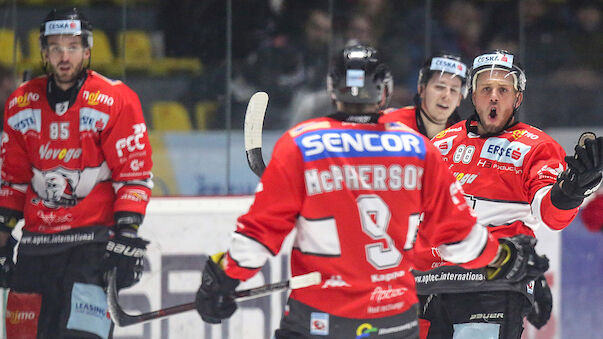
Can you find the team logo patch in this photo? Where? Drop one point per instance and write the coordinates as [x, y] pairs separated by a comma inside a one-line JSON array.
[[444, 145], [530, 287], [365, 330], [319, 323]]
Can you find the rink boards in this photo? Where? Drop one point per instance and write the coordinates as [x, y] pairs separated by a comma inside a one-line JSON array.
[[184, 231]]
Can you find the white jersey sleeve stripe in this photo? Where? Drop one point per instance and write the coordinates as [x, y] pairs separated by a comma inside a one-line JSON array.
[[536, 203], [467, 249], [247, 252], [317, 237]]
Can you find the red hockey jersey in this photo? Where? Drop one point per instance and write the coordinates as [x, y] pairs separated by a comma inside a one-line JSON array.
[[75, 168], [355, 194], [406, 115], [507, 178]]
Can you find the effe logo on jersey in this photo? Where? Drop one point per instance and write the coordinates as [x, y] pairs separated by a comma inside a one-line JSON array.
[[323, 144], [522, 132], [132, 142], [95, 98], [23, 100]]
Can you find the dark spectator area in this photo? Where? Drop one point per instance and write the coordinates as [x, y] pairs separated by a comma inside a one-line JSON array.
[[196, 63]]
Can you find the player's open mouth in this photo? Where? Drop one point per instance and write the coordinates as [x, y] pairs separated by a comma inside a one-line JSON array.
[[492, 114], [442, 106]]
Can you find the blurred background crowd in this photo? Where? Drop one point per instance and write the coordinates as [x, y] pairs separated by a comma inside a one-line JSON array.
[[195, 64], [177, 54]]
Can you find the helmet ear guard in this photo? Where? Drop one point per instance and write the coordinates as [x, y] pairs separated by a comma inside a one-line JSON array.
[[358, 76]]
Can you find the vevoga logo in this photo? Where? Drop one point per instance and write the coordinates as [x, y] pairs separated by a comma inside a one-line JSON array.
[[64, 154]]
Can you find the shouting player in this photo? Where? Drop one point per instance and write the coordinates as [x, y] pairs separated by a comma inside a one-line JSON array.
[[76, 165], [516, 179]]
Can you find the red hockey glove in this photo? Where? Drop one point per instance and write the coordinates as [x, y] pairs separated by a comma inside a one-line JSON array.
[[215, 299]]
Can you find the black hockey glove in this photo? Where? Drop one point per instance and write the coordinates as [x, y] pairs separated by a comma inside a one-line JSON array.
[[583, 174], [543, 303], [517, 260], [215, 299], [126, 251], [9, 219], [6, 261]]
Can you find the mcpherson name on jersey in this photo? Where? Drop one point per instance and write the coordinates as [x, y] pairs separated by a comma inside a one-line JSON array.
[[323, 144]]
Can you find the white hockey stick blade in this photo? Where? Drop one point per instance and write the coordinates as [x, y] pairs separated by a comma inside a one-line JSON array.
[[254, 120], [254, 123], [305, 280]]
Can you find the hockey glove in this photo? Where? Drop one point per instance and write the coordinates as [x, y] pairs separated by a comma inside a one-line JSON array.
[[126, 250], [517, 260], [543, 303], [6, 261], [215, 299], [583, 174]]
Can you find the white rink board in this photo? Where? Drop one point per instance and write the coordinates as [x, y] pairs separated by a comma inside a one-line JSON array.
[[201, 226], [182, 231]]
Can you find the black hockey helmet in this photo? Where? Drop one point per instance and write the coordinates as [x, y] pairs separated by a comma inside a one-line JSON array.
[[358, 76], [444, 63], [68, 21], [498, 60]]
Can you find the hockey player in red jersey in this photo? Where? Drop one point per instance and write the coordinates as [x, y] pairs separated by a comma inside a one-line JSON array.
[[354, 189], [440, 88], [516, 179], [76, 166]]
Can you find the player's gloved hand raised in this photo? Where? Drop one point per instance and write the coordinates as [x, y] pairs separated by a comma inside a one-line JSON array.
[[215, 300], [125, 250], [543, 303], [6, 261], [517, 260], [583, 174]]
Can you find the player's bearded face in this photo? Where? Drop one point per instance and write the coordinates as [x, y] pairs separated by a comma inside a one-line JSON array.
[[66, 56], [441, 96], [495, 98]]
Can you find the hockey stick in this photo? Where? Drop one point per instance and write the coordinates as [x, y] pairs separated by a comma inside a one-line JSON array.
[[121, 318], [254, 121]]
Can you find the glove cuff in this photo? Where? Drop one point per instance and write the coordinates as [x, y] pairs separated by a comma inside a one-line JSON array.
[[127, 222], [561, 200], [9, 219]]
